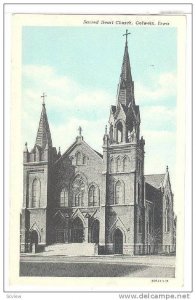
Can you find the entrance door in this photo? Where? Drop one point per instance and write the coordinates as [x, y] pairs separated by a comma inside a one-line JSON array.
[[34, 237], [77, 231], [34, 241], [95, 232], [118, 242]]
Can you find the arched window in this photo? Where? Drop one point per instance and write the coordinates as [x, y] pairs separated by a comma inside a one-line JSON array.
[[64, 198], [119, 132], [112, 165], [125, 164], [84, 160], [78, 158], [129, 135], [118, 164], [118, 193], [78, 191], [93, 196], [35, 193], [78, 199]]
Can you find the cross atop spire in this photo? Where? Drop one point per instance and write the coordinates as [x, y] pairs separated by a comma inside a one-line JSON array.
[[80, 130], [126, 34], [43, 96], [125, 93], [43, 137]]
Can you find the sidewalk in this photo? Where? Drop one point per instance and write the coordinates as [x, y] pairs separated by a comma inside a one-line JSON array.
[[151, 260]]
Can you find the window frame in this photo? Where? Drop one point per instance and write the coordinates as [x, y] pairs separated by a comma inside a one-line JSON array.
[[64, 194], [36, 193]]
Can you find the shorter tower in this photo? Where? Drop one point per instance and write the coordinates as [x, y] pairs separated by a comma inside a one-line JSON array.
[[37, 169]]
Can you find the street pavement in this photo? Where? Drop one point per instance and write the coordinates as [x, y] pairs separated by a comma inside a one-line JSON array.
[[98, 266]]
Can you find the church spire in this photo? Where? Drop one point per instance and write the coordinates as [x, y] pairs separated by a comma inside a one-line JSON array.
[[125, 94], [43, 134]]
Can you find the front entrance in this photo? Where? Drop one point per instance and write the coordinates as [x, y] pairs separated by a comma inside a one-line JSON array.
[[95, 232], [62, 235], [34, 241], [77, 231], [118, 242]]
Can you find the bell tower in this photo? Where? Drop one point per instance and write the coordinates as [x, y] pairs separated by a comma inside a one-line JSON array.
[[37, 186], [123, 152]]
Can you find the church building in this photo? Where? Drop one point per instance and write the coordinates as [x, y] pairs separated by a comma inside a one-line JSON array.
[[83, 202]]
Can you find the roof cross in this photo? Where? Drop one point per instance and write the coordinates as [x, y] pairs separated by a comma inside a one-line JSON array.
[[126, 34], [43, 96], [80, 130]]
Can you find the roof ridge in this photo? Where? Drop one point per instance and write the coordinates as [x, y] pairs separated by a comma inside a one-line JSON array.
[[154, 174]]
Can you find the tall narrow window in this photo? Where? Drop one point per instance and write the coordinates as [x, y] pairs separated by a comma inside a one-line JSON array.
[[125, 164], [78, 158], [150, 221], [35, 193], [167, 225], [147, 227], [140, 225], [138, 167], [79, 199], [111, 133], [119, 132], [84, 160], [167, 219], [78, 191], [64, 198], [118, 192], [93, 196], [112, 165], [138, 192], [118, 164]]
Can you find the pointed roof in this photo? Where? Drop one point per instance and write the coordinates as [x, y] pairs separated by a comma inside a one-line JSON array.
[[75, 144], [43, 134], [126, 69], [125, 93]]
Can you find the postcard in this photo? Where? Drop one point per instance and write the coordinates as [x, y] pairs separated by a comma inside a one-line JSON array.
[[97, 152]]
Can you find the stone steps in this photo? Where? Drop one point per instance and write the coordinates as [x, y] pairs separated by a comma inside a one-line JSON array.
[[73, 249]]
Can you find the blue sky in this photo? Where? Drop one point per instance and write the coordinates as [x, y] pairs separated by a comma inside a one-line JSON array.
[[79, 68]]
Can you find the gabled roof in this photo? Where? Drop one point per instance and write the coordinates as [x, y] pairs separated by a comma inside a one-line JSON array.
[[74, 145], [156, 180], [97, 152]]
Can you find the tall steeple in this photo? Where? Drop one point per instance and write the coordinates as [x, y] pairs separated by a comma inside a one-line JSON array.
[[124, 117], [43, 134], [125, 94]]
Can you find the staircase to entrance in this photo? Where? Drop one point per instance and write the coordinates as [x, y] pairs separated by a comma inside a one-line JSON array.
[[73, 249]]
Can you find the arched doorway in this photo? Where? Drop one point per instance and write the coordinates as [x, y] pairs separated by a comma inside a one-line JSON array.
[[95, 232], [34, 237], [77, 231], [118, 241], [34, 241]]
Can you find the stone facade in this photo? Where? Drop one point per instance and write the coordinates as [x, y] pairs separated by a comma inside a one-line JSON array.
[[85, 197]]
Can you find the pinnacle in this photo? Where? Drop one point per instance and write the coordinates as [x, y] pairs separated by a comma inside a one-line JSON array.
[[43, 134]]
